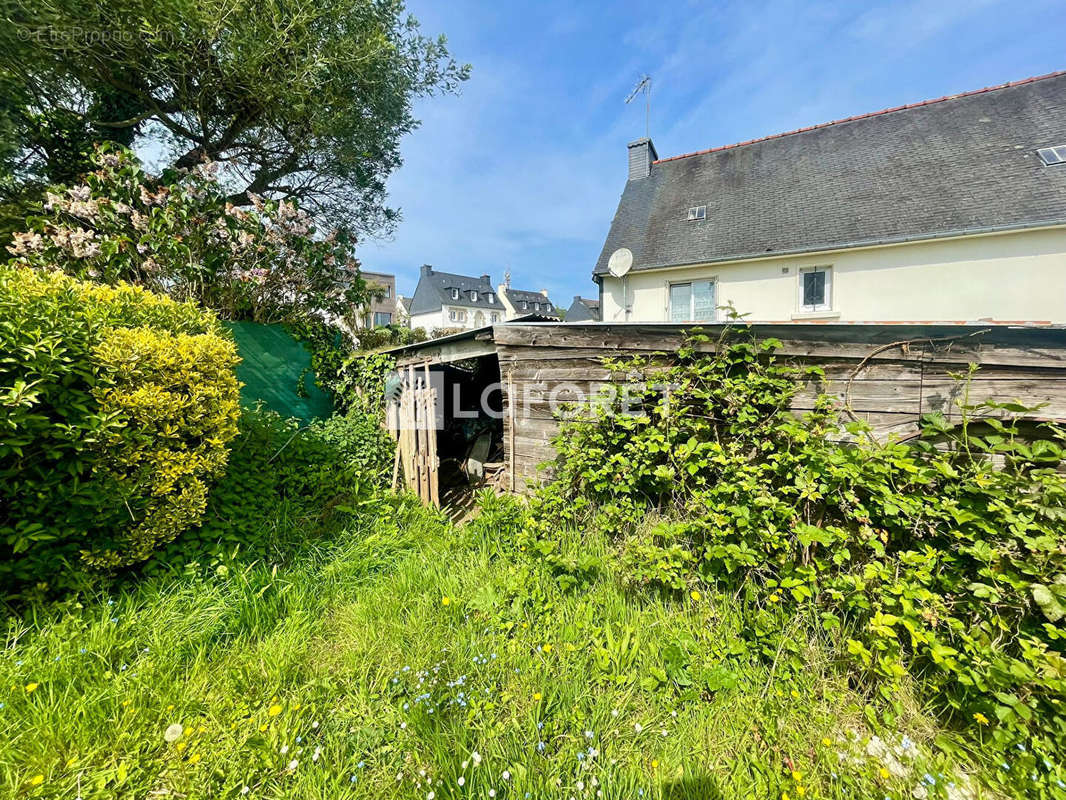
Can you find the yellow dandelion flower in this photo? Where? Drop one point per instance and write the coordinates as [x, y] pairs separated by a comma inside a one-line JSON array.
[[170, 707], [445, 601], [775, 597], [655, 763], [180, 746], [263, 727], [800, 791], [71, 762], [883, 773], [538, 696], [695, 595], [125, 703], [32, 687], [37, 780], [274, 710], [980, 718], [547, 648], [797, 776], [827, 742], [784, 795], [296, 707], [195, 758], [794, 694]]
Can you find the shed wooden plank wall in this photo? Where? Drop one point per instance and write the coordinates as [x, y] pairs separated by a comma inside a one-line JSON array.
[[893, 389]]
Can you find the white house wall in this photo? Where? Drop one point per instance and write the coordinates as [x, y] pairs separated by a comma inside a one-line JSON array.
[[1018, 276]]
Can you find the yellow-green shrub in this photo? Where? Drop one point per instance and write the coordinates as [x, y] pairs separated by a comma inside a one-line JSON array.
[[117, 408]]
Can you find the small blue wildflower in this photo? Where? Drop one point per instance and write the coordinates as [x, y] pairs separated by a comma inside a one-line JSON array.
[[299, 739], [929, 779], [353, 779], [1004, 765], [110, 602], [114, 619], [640, 792], [589, 734], [361, 764], [541, 746], [581, 756], [540, 726], [57, 658], [82, 651], [406, 706]]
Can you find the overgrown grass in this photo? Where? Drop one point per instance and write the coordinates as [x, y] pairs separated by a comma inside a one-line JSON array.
[[408, 658]]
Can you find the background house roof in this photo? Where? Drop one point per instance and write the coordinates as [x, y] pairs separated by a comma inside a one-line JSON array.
[[960, 164], [518, 296], [583, 309], [434, 290]]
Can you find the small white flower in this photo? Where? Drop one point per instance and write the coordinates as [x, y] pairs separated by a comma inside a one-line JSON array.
[[492, 792], [663, 731], [581, 786], [317, 753], [430, 795], [173, 732], [475, 757], [293, 764], [465, 764], [314, 725], [461, 781], [638, 727], [614, 712], [284, 749], [506, 775], [245, 789]]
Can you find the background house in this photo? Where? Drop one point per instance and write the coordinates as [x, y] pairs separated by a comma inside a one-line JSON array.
[[948, 210], [447, 300], [382, 308], [520, 303], [583, 309], [403, 310]]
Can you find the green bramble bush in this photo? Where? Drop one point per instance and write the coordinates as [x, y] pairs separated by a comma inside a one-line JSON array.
[[284, 487], [117, 408], [941, 562]]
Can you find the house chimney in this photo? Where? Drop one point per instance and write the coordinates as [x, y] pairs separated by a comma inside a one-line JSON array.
[[544, 292], [641, 154], [486, 279], [427, 269]]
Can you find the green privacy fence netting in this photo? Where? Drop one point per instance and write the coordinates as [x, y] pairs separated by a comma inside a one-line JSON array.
[[273, 363]]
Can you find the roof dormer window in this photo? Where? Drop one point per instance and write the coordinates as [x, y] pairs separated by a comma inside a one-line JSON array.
[[473, 297], [489, 297], [697, 213], [455, 294]]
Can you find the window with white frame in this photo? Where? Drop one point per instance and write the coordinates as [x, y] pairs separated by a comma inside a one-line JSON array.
[[692, 301], [489, 297], [457, 315], [473, 297], [815, 289], [455, 294], [495, 317]]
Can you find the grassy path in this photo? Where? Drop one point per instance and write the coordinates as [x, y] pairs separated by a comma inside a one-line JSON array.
[[412, 659]]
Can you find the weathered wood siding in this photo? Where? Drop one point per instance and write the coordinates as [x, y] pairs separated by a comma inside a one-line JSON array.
[[894, 387]]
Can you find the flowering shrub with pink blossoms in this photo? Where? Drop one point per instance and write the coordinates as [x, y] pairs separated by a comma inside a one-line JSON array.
[[177, 235]]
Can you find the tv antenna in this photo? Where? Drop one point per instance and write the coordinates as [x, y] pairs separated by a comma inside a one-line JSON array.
[[645, 87]]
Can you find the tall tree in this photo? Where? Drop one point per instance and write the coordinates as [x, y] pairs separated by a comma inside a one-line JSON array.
[[299, 99]]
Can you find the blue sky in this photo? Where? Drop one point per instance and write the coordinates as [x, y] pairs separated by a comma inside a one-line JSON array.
[[524, 169]]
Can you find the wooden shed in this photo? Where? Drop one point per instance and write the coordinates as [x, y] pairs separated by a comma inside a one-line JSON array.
[[888, 374]]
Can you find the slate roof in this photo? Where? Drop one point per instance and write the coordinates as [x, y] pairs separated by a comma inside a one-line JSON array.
[[518, 296], [434, 290], [956, 165], [583, 309]]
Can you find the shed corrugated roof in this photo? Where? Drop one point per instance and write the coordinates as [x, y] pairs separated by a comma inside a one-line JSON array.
[[960, 164]]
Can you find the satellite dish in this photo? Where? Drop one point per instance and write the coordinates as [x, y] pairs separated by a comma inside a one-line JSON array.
[[620, 262]]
